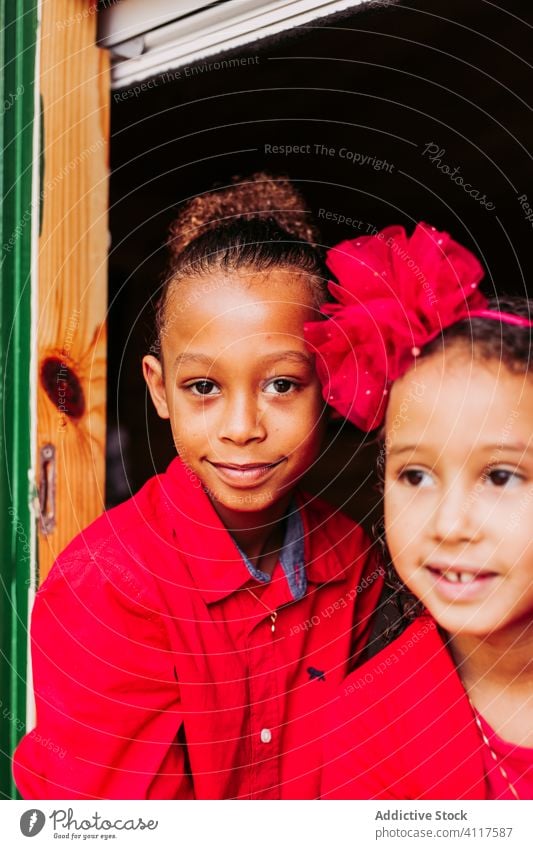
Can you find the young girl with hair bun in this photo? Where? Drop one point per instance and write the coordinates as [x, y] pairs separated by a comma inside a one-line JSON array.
[[446, 710], [184, 643]]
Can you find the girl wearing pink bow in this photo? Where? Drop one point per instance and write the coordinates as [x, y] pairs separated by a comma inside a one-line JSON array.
[[413, 348]]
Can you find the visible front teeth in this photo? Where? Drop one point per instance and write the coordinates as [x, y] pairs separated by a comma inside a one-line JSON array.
[[466, 577], [452, 576], [459, 577]]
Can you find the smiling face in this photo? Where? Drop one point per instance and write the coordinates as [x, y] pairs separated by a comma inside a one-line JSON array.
[[240, 388], [459, 491]]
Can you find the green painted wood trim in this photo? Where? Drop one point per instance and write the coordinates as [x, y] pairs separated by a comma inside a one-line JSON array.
[[18, 34]]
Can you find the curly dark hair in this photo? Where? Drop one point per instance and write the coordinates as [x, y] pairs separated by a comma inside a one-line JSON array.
[[485, 339], [256, 223]]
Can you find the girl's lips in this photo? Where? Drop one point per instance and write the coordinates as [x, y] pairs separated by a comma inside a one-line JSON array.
[[456, 584], [245, 475]]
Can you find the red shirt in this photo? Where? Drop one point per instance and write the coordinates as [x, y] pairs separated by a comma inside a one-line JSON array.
[[402, 727], [157, 674], [517, 762]]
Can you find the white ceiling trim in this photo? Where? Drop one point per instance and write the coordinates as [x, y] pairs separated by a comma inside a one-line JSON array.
[[204, 33]]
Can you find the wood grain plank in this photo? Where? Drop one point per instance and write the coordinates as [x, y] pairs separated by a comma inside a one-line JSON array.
[[71, 332]]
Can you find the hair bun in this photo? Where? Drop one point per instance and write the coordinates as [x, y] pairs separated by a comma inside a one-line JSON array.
[[261, 195]]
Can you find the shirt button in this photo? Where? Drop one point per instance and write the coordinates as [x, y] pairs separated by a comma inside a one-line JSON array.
[[266, 735]]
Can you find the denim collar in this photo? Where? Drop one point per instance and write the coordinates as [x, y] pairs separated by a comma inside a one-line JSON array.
[[291, 556]]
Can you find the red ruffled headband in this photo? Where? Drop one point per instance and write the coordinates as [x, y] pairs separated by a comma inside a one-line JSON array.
[[396, 294]]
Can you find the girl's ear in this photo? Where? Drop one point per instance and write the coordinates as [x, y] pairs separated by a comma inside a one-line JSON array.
[[153, 374]]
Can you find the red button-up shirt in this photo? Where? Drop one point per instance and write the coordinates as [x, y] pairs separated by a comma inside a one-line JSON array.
[[156, 672]]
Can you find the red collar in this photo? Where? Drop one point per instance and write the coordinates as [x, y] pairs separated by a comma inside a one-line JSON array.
[[208, 548]]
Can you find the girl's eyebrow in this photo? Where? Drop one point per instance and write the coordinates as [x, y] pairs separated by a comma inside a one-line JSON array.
[[516, 447], [298, 356], [520, 448], [402, 449], [188, 357]]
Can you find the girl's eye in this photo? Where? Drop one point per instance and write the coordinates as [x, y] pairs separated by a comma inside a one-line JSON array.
[[503, 477], [203, 388], [280, 386], [415, 477]]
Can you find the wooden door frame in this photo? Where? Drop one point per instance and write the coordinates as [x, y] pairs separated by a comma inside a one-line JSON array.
[[73, 249]]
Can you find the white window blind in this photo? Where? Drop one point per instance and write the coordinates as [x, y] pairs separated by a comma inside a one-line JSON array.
[[149, 38]]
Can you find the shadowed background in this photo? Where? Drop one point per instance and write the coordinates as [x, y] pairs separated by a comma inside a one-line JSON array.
[[382, 83]]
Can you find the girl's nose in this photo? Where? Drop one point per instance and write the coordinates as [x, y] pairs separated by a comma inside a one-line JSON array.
[[242, 420], [454, 519]]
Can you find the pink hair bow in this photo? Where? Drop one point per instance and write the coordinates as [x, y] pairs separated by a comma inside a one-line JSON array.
[[395, 294]]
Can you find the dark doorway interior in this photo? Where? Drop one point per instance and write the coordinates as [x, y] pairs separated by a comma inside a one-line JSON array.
[[384, 83]]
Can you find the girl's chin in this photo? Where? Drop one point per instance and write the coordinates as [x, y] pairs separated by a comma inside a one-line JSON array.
[[242, 502], [465, 623]]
